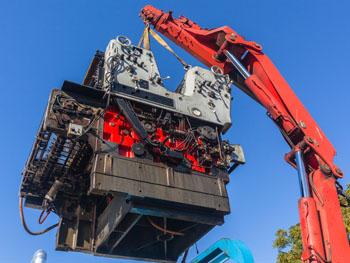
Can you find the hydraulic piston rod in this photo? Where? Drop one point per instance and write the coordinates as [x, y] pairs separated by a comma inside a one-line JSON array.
[[235, 62], [304, 189]]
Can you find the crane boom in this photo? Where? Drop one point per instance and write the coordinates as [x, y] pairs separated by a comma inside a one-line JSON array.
[[323, 231]]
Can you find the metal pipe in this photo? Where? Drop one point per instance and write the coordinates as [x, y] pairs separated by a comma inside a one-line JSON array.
[[304, 188], [235, 62]]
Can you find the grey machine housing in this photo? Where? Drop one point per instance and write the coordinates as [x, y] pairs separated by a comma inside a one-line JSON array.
[[203, 94]]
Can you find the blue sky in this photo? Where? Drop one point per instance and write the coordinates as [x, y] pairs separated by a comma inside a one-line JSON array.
[[45, 42]]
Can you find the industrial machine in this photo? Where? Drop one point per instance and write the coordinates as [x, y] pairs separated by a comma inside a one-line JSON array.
[[136, 171], [322, 225], [132, 169]]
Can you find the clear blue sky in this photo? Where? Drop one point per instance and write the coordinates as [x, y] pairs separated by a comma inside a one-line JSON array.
[[45, 42]]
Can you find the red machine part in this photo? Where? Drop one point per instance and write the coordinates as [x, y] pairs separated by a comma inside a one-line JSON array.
[[323, 231], [118, 130]]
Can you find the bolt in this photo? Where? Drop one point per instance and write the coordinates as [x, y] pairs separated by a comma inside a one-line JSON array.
[[257, 45], [317, 143], [326, 168], [309, 139], [112, 124], [210, 103], [211, 94], [339, 171], [302, 124]]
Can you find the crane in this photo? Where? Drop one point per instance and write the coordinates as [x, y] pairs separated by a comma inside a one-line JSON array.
[[136, 171], [322, 225]]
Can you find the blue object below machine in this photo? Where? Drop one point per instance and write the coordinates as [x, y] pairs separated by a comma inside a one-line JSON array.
[[225, 249]]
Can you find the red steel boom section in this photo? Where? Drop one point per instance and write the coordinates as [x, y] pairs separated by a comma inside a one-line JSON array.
[[323, 231]]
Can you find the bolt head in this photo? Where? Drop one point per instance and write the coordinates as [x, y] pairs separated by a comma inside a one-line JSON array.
[[257, 45], [326, 168], [309, 139], [339, 171], [317, 144]]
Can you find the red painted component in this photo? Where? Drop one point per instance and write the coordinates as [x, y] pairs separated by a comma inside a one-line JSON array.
[[320, 214], [310, 229], [118, 130], [42, 220]]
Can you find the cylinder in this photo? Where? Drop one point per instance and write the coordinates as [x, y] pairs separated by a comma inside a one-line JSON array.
[[40, 256], [235, 62], [304, 188], [310, 225]]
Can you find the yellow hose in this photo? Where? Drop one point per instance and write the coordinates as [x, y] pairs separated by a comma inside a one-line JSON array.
[[162, 229]]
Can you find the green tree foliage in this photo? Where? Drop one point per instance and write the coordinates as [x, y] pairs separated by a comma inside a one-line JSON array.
[[289, 243]]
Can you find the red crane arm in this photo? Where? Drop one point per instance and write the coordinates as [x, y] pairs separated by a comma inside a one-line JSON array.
[[323, 230]]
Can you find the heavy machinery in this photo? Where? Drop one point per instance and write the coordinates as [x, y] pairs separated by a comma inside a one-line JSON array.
[[322, 226], [138, 172], [132, 169]]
